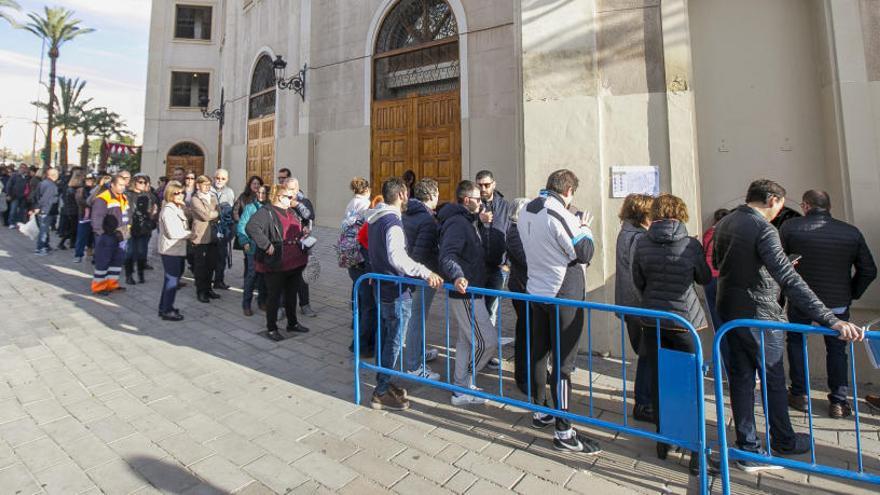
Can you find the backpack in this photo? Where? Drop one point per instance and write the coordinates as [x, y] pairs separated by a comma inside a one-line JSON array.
[[348, 249], [141, 223]]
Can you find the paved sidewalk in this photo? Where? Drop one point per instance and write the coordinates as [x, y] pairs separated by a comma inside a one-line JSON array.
[[97, 395]]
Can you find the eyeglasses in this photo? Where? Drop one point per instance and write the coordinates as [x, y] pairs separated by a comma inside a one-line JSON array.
[[178, 192], [288, 196], [219, 178]]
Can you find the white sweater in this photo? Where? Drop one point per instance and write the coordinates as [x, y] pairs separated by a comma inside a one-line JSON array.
[[173, 230]]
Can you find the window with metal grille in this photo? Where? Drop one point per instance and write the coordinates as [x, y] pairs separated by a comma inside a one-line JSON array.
[[188, 88], [417, 50], [262, 100], [186, 148], [193, 22]]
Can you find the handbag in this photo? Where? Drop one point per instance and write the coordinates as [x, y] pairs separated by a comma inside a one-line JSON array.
[[312, 270]]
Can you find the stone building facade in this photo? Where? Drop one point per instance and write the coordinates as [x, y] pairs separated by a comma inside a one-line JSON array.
[[712, 92]]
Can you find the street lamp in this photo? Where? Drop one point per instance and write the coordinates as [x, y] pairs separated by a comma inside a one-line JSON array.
[[218, 114], [297, 82]]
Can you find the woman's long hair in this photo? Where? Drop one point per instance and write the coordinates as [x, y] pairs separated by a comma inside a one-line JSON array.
[[247, 196]]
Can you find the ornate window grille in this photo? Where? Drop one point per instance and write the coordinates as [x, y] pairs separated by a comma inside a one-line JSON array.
[[186, 148], [262, 100], [417, 50]]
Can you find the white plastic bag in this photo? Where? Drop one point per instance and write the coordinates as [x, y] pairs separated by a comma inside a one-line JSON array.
[[30, 229]]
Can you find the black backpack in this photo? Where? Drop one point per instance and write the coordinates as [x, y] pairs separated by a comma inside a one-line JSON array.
[[141, 223]]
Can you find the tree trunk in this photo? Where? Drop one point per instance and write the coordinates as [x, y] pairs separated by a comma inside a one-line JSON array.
[[105, 156], [50, 114], [62, 154], [84, 152]]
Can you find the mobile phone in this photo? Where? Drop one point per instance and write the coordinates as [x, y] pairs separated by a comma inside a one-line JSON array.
[[794, 258]]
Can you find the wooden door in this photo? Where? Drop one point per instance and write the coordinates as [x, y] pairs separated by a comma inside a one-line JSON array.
[[261, 148], [418, 133], [194, 164]]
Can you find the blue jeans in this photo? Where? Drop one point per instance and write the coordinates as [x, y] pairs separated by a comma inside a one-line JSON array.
[[83, 237], [173, 266], [252, 281], [413, 341], [45, 223], [745, 362], [136, 249], [16, 211], [835, 361], [495, 281], [395, 317], [366, 310]]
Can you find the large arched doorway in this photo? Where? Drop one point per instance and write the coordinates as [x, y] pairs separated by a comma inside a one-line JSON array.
[[261, 121], [416, 120], [186, 155]]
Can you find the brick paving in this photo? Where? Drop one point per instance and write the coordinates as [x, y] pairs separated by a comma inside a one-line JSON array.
[[97, 395]]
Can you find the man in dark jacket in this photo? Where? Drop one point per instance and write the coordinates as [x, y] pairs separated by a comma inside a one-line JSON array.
[[463, 264], [752, 267], [494, 222], [830, 250], [45, 209], [15, 193], [422, 239]]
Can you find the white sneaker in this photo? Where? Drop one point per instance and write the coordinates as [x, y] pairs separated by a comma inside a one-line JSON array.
[[431, 354], [506, 340], [425, 372], [463, 400]]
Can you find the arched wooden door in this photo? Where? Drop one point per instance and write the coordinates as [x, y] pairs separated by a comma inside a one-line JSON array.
[[188, 156], [416, 118], [261, 122]]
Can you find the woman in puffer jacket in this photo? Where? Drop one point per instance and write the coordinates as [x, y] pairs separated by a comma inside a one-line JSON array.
[[665, 266]]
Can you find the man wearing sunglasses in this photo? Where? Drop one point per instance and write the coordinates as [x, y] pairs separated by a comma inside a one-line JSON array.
[[494, 221]]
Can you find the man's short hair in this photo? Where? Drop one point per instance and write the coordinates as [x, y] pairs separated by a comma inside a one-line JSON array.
[[285, 171], [482, 174], [464, 189], [425, 189], [761, 190], [817, 199], [391, 189], [562, 180], [118, 178]]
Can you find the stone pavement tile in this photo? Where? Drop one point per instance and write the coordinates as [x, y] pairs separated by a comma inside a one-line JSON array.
[[329, 445], [461, 482], [275, 473], [255, 488], [65, 429], [311, 487], [10, 410], [483, 487], [137, 449], [588, 484], [204, 489], [497, 450], [425, 466], [16, 479], [110, 429], [148, 392], [492, 470], [221, 473], [116, 477], [168, 476], [377, 421], [290, 424], [235, 448], [202, 428], [329, 421], [212, 407], [378, 445], [540, 466], [451, 453], [325, 470], [246, 425], [40, 454], [105, 388], [363, 486], [155, 426], [124, 405], [376, 469], [418, 438], [45, 411], [88, 451], [7, 455], [172, 408], [282, 446], [64, 479], [185, 449], [20, 431], [414, 484], [532, 484], [70, 393], [88, 410], [31, 392]]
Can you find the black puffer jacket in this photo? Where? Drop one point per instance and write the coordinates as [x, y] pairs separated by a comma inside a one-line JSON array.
[[519, 270], [830, 249], [461, 249], [665, 265], [422, 234], [753, 268]]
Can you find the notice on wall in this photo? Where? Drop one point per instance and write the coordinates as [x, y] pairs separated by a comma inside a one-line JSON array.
[[626, 180]]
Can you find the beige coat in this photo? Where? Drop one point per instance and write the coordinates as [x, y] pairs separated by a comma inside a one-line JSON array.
[[173, 230], [203, 215]]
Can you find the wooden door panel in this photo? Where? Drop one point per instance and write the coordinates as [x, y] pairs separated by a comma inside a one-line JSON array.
[[261, 148]]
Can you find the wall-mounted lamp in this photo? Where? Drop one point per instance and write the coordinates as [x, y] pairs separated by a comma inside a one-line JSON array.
[[297, 82]]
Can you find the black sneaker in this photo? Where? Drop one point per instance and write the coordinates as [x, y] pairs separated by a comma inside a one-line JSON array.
[[275, 335], [800, 445], [713, 466], [540, 421], [643, 412], [298, 329], [577, 443]]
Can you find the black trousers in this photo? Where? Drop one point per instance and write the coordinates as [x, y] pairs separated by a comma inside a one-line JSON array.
[[278, 284], [544, 345], [835, 362], [204, 262], [520, 359]]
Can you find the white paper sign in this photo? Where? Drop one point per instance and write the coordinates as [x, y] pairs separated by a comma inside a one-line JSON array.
[[635, 180]]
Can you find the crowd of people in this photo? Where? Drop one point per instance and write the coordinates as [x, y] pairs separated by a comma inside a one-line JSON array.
[[762, 260]]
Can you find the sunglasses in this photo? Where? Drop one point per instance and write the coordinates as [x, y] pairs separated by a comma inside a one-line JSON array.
[[178, 192], [288, 196]]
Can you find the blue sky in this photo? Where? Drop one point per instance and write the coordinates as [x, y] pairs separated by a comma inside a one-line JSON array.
[[113, 61]]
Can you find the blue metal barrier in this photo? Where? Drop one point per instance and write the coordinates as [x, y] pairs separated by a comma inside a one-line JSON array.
[[728, 453], [682, 400]]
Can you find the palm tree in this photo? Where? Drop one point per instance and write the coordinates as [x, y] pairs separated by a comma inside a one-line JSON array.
[[67, 110], [56, 27], [89, 120], [8, 4]]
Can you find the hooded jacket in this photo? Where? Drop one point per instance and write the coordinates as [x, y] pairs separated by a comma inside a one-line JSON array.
[[422, 234], [665, 265], [753, 268], [461, 248], [387, 251]]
